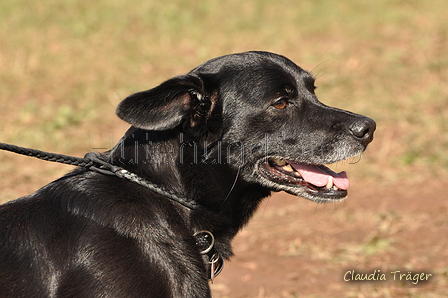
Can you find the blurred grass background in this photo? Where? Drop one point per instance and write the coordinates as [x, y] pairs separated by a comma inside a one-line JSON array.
[[65, 65]]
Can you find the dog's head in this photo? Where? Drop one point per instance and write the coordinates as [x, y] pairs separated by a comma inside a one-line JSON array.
[[259, 111]]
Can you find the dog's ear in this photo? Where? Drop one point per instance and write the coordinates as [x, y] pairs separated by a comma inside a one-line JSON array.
[[167, 105]]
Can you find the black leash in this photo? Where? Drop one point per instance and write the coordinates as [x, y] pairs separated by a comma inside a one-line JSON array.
[[204, 239], [93, 163], [70, 160]]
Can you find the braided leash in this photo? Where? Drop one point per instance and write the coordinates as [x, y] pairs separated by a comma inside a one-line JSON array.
[[60, 158], [93, 163], [204, 239]]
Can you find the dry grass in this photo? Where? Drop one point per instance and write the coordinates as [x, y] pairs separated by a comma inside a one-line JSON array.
[[294, 248], [65, 66]]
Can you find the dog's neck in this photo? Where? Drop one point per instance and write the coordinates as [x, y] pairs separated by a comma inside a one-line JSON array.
[[191, 169]]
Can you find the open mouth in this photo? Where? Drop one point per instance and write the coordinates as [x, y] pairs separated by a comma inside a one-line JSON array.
[[315, 182]]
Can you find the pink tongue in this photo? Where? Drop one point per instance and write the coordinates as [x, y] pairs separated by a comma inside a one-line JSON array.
[[319, 176]]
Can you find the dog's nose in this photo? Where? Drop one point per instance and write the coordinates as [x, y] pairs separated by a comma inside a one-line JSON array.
[[362, 129]]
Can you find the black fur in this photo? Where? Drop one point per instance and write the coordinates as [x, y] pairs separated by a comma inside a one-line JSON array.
[[205, 136]]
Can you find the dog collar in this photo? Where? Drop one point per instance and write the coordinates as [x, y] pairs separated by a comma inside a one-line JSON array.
[[214, 263]]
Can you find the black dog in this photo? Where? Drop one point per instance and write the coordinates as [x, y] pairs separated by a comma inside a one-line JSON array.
[[204, 149]]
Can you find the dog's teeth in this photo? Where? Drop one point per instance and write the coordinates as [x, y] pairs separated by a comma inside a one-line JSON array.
[[279, 161], [288, 168], [297, 174], [329, 183], [335, 187]]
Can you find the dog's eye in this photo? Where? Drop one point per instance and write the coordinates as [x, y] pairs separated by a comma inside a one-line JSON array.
[[280, 103]]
